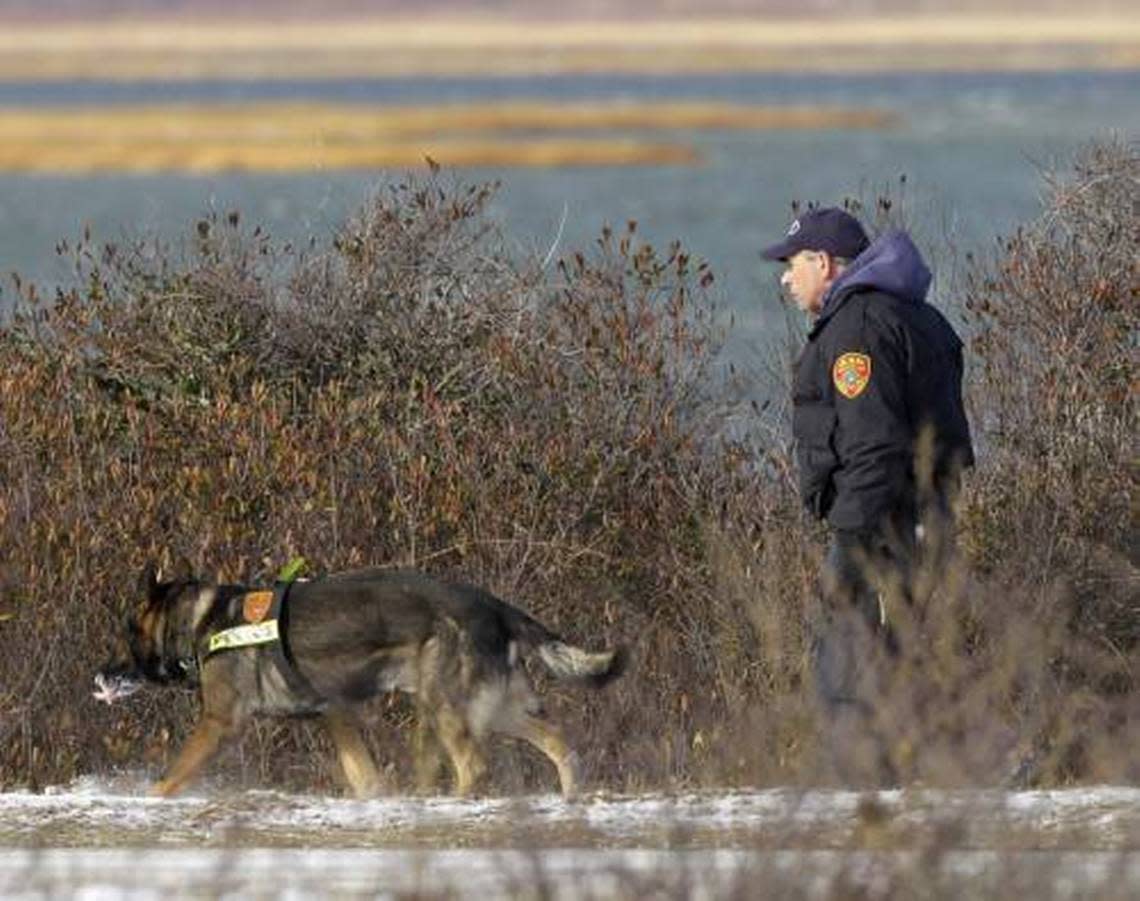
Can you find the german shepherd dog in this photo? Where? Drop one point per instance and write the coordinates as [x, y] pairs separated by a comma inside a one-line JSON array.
[[328, 644]]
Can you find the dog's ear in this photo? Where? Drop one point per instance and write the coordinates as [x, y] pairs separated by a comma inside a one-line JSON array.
[[183, 570], [148, 580]]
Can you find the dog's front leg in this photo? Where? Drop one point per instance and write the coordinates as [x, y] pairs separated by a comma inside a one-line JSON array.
[[355, 759], [199, 748], [221, 715]]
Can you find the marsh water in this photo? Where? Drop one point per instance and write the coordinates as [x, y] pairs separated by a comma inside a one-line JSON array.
[[971, 147], [107, 838]]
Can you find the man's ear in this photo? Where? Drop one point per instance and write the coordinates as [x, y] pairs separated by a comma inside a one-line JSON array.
[[833, 267], [148, 580]]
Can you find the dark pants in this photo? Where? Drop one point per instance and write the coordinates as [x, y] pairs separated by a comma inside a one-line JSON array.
[[865, 576], [868, 578]]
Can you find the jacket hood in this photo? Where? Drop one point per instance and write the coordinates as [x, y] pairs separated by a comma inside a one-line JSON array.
[[892, 264]]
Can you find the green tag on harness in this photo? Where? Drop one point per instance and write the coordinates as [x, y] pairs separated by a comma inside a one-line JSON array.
[[292, 569], [244, 636]]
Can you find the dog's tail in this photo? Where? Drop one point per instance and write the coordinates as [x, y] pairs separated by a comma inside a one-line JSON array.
[[563, 660]]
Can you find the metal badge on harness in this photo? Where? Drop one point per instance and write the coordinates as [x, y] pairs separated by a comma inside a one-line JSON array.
[[255, 630]]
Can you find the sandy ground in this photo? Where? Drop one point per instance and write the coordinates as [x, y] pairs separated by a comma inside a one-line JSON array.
[[340, 49], [103, 838]]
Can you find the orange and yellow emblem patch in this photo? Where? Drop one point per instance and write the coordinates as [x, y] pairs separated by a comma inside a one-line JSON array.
[[255, 605], [851, 374]]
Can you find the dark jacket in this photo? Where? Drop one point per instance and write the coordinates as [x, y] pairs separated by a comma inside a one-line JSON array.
[[880, 364]]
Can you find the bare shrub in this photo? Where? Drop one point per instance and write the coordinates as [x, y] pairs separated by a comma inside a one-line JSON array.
[[1050, 519], [1056, 320]]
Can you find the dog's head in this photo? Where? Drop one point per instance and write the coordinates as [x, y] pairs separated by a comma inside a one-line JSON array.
[[154, 646]]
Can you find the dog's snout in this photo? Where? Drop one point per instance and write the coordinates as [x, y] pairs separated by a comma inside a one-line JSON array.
[[117, 668], [121, 663]]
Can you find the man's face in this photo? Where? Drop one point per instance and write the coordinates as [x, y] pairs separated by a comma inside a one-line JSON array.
[[806, 279]]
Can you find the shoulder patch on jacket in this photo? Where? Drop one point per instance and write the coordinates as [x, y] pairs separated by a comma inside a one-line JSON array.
[[851, 374]]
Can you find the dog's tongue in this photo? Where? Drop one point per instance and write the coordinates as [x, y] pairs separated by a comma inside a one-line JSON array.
[[110, 690]]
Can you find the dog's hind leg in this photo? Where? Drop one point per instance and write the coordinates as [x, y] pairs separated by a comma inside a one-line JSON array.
[[356, 763], [547, 737], [461, 748], [427, 755]]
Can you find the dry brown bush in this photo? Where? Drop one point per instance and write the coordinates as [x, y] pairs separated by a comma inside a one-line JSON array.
[[409, 396], [1056, 320], [1050, 521]]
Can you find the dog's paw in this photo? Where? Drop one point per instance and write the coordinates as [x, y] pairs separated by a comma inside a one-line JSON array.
[[162, 789], [570, 775]]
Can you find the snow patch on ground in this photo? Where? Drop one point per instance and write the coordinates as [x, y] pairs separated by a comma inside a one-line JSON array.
[[107, 838], [125, 803]]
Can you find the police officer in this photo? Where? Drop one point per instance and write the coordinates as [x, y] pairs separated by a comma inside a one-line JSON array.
[[881, 433]]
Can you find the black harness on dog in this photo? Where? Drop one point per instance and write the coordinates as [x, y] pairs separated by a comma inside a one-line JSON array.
[[279, 650], [272, 630]]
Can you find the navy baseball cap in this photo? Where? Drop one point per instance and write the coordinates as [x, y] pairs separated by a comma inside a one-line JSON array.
[[831, 230]]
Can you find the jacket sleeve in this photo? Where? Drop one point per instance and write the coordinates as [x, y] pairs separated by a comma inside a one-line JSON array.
[[873, 431], [813, 424]]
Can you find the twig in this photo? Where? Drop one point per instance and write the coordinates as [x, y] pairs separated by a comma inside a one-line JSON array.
[[557, 238]]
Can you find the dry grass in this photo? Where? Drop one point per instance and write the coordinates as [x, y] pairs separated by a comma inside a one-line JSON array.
[[290, 137], [173, 50]]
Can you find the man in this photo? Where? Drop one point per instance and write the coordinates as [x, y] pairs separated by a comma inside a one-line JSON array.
[[881, 433]]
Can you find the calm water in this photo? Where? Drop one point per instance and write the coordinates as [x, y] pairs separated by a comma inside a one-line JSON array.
[[971, 147]]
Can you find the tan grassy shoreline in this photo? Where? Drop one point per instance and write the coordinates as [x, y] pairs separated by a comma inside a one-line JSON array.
[[245, 122], [185, 50], [156, 157], [297, 136]]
